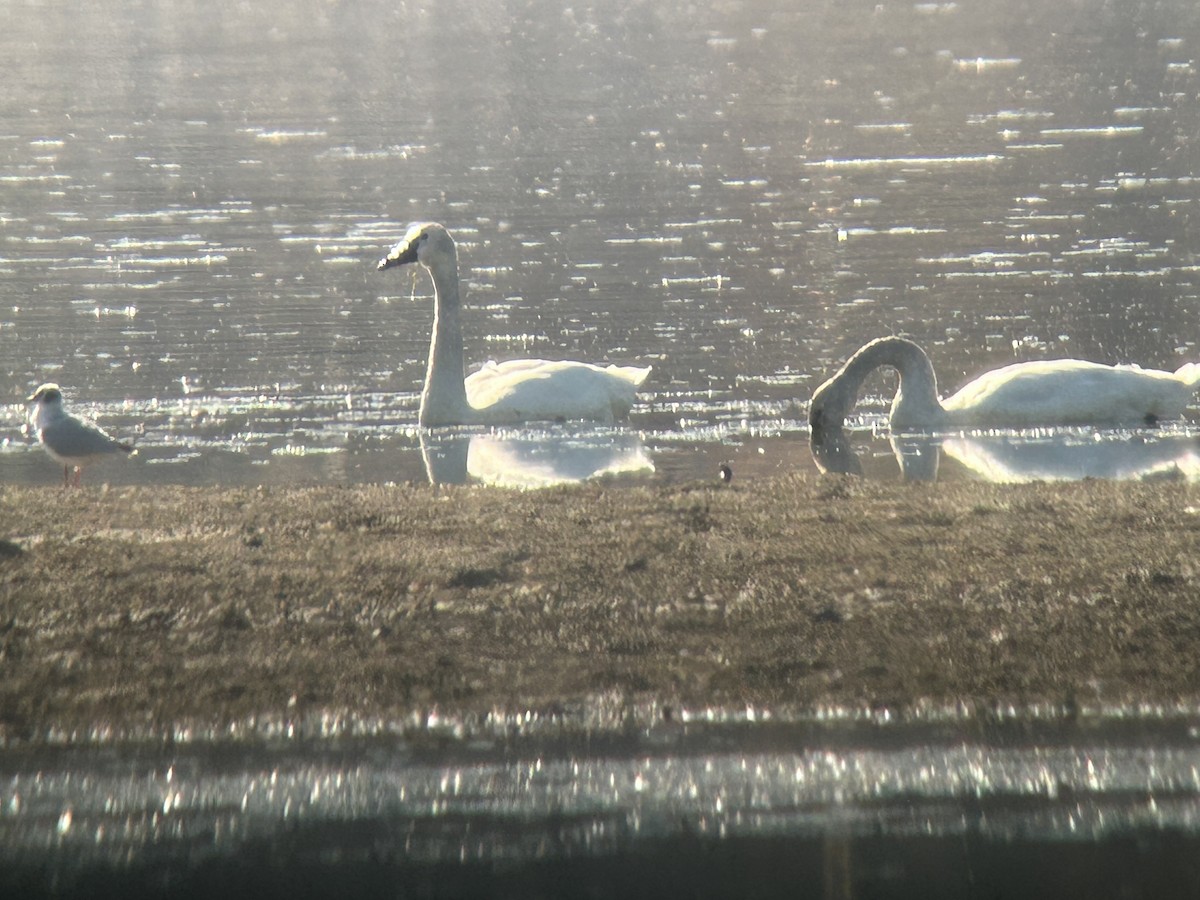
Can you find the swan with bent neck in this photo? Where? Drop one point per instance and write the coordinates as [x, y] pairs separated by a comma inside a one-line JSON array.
[[505, 393], [1033, 394]]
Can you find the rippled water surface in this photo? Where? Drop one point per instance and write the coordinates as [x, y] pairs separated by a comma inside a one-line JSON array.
[[695, 805], [738, 194]]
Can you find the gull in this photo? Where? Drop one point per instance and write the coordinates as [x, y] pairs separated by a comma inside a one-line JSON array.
[[69, 440]]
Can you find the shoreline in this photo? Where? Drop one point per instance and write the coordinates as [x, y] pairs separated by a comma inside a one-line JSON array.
[[131, 610]]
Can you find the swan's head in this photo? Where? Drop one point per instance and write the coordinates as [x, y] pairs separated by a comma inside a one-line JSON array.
[[830, 405], [916, 402], [424, 242]]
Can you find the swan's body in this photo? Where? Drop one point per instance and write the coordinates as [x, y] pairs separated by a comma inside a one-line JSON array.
[[70, 441], [519, 390], [1023, 395]]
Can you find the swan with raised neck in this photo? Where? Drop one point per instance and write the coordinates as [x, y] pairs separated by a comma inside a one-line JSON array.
[[510, 392], [1039, 393]]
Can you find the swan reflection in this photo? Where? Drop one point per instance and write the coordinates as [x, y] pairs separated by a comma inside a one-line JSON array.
[[532, 461], [1013, 458], [1071, 457]]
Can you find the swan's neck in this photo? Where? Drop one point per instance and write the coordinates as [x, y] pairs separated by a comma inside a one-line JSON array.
[[916, 404], [444, 399]]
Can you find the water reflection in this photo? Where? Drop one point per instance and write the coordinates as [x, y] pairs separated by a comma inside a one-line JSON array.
[[855, 803], [1073, 456], [832, 451], [533, 461], [1046, 455], [738, 194], [250, 437]]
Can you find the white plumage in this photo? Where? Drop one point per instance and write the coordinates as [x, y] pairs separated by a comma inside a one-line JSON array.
[[518, 390], [70, 441], [1022, 395]]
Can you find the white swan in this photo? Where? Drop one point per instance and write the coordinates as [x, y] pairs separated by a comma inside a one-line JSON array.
[[1023, 395], [69, 440], [519, 390]]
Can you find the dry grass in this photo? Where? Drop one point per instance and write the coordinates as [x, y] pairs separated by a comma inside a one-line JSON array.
[[144, 606]]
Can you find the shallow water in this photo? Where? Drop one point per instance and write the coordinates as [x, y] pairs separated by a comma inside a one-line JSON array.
[[738, 194], [859, 802], [1053, 454]]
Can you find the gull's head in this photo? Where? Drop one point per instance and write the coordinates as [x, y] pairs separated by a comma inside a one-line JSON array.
[[49, 400], [47, 395], [424, 242]]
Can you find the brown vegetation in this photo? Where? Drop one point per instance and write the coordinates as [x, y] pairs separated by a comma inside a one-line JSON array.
[[141, 607]]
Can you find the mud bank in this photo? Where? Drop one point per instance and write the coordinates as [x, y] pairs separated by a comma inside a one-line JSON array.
[[137, 608]]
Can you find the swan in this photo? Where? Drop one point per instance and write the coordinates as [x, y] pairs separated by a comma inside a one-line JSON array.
[[69, 440], [518, 390], [1027, 394]]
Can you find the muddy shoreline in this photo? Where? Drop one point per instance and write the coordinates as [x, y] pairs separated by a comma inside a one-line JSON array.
[[133, 609]]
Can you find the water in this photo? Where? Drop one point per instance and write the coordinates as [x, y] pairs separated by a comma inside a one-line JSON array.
[[739, 194], [192, 200], [1051, 454], [702, 804]]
